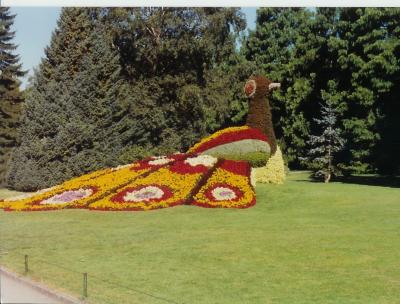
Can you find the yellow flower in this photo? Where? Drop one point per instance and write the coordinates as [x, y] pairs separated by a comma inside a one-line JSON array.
[[273, 172], [180, 185], [225, 177], [100, 181]]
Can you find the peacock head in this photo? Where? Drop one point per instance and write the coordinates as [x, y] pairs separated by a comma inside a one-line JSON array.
[[259, 86]]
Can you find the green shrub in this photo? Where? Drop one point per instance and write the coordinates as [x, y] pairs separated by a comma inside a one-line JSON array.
[[256, 159]]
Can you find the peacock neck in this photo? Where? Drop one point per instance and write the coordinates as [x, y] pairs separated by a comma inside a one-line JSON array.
[[260, 117]]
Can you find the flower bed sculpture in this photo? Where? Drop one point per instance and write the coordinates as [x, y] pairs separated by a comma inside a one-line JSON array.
[[214, 173]]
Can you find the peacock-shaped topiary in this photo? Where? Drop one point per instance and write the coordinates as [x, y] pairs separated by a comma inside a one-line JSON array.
[[254, 142], [259, 117], [214, 173]]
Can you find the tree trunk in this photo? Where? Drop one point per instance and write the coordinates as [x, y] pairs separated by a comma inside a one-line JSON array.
[[327, 177]]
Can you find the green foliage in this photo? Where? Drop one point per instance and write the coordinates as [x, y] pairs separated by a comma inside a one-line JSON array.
[[66, 126], [118, 84], [282, 47], [358, 49], [369, 57], [256, 159], [11, 99], [184, 62]]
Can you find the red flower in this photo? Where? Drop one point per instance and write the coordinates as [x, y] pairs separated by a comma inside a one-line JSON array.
[[240, 167], [229, 137], [182, 168]]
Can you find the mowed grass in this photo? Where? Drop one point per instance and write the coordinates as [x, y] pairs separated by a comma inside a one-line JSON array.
[[303, 242]]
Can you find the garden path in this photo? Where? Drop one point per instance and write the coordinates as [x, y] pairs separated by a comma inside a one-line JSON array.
[[14, 290]]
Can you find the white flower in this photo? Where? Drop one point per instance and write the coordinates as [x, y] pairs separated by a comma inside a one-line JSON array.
[[120, 167], [160, 160], [223, 193], [67, 196], [145, 194], [205, 160]]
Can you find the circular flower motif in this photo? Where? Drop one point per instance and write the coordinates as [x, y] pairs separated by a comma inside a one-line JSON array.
[[204, 160], [223, 192], [146, 194], [67, 196]]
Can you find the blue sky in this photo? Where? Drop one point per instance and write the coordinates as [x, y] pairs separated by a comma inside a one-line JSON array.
[[34, 25]]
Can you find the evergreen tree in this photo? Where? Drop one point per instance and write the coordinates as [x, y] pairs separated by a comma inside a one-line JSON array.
[[117, 84], [368, 61], [356, 48], [323, 148], [40, 160], [290, 46], [11, 98]]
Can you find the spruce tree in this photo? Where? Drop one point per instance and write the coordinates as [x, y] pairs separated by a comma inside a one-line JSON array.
[[11, 98], [358, 48], [40, 159], [117, 84], [368, 61], [322, 153]]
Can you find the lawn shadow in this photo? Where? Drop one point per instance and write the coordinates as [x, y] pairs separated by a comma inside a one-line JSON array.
[[365, 179], [371, 180]]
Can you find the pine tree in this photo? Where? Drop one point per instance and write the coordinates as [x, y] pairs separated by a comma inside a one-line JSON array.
[[290, 46], [368, 61], [358, 48], [117, 84], [323, 148], [39, 160], [11, 98]]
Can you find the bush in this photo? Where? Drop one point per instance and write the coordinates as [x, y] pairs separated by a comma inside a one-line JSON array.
[[256, 159]]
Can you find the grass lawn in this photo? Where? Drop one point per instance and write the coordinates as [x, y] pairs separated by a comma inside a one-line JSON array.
[[303, 242]]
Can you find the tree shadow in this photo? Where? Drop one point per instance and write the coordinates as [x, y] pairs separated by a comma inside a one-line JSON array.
[[365, 179], [370, 180]]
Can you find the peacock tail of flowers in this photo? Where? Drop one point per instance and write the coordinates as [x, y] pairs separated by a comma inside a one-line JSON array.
[[229, 186], [228, 136], [152, 183]]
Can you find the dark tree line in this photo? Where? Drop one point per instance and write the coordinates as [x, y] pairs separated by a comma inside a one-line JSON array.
[[352, 53], [119, 84]]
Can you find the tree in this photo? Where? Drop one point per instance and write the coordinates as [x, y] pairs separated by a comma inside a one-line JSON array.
[[11, 99], [117, 84], [357, 48], [368, 60], [290, 46], [323, 148], [40, 159], [171, 58]]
